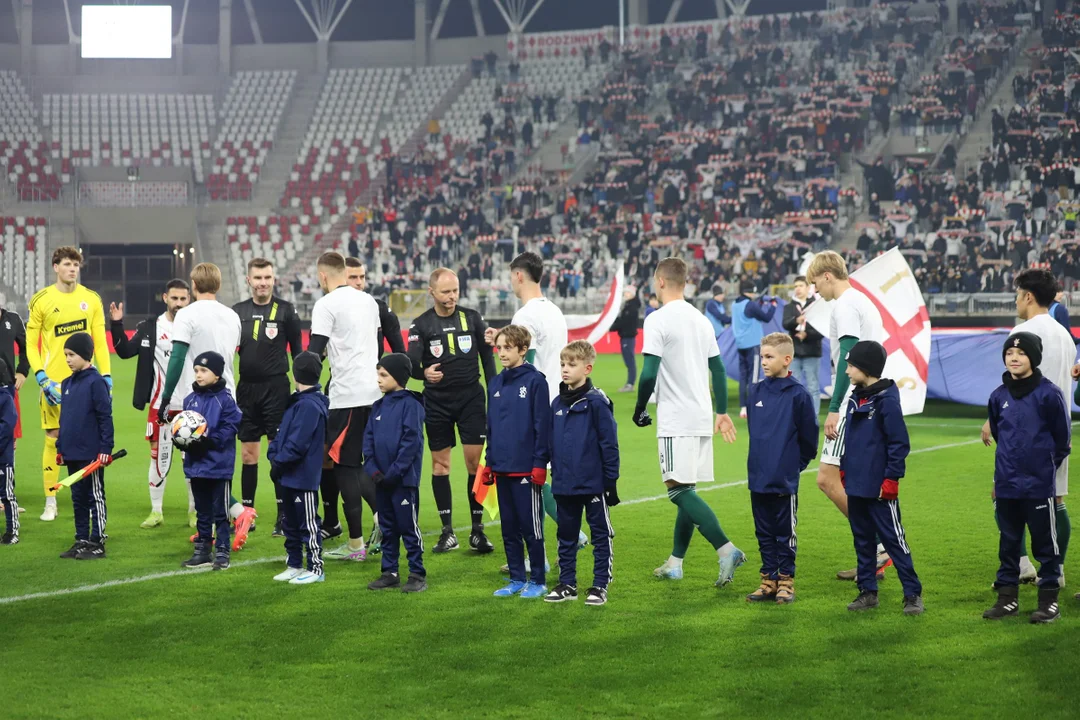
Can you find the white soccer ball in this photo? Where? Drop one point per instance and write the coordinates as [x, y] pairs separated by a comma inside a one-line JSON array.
[[187, 427]]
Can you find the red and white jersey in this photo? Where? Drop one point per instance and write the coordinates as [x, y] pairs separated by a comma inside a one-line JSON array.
[[162, 351]]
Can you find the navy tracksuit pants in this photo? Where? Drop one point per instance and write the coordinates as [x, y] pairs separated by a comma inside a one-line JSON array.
[[749, 371], [399, 507], [521, 506], [300, 523], [212, 511], [88, 502], [775, 517], [7, 496], [872, 519], [597, 516], [1039, 518]]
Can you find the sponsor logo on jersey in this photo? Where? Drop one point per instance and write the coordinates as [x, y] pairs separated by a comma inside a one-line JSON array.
[[271, 330], [465, 343], [69, 328], [436, 348], [145, 342]]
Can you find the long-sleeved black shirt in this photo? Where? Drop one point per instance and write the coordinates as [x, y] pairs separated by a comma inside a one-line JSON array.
[[456, 344], [265, 332], [12, 333]]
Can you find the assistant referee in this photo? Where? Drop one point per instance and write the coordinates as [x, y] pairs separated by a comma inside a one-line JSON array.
[[268, 324], [447, 347]]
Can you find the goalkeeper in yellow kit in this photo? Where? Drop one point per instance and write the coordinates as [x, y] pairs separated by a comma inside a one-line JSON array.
[[55, 313]]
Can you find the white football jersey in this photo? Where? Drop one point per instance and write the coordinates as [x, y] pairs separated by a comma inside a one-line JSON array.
[[206, 326], [547, 325]]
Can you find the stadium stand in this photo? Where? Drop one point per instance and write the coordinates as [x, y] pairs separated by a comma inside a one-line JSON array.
[[21, 238], [250, 117], [23, 156]]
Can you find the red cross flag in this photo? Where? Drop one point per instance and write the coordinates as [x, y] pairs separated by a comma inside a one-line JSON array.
[[889, 283], [594, 327]]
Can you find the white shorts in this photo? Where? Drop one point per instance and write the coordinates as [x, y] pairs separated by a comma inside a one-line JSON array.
[[833, 450], [1061, 482], [686, 460]]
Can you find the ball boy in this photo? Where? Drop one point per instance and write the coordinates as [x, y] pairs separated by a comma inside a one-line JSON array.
[[584, 472], [871, 476], [1031, 428], [782, 421]]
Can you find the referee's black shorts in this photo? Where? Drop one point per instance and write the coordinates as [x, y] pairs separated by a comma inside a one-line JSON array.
[[263, 403], [345, 435], [467, 411]]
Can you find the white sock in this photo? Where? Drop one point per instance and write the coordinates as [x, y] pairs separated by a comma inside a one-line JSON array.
[[234, 510], [726, 549], [190, 496], [157, 492], [880, 549], [50, 501], [673, 561]]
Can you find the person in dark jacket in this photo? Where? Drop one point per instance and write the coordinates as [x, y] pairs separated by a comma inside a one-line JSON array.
[[584, 451], [715, 311], [86, 435], [782, 421], [1058, 310], [9, 420], [749, 315], [296, 459], [871, 476], [626, 325], [210, 460], [393, 457], [518, 427], [1031, 428], [807, 340], [12, 375]]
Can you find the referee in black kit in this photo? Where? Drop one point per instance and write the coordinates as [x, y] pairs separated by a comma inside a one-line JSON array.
[[447, 347], [268, 323]]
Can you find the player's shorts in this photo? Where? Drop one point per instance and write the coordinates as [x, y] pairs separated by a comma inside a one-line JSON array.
[[686, 460], [50, 414], [153, 427], [833, 450], [263, 403], [345, 435], [468, 413], [1061, 481]]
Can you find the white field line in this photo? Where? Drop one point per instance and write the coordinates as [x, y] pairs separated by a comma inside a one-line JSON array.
[[260, 561]]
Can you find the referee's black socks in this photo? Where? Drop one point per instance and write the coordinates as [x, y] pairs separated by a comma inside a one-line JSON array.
[[440, 486], [249, 483], [475, 508]]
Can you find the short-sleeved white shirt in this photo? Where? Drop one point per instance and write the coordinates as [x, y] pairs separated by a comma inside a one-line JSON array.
[[683, 339], [545, 321], [1058, 352], [350, 319], [853, 315], [206, 326]]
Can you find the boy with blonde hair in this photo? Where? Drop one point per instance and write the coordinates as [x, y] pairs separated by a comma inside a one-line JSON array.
[[782, 422]]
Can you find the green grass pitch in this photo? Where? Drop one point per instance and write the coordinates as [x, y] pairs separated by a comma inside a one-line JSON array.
[[148, 640]]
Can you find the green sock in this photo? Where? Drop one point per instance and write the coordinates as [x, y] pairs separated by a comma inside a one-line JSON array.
[[550, 506], [1064, 528], [684, 533], [1023, 538], [700, 514]]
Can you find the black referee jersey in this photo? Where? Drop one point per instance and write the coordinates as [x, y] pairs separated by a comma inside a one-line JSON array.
[[265, 331], [456, 344]]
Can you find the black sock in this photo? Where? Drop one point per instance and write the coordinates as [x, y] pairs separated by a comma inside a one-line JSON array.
[[367, 491], [249, 481], [328, 488], [440, 486], [352, 498], [278, 500], [475, 508]]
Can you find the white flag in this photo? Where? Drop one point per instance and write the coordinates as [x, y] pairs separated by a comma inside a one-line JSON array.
[[594, 327], [889, 283]]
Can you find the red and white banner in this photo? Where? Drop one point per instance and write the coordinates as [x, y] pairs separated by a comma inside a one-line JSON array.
[[535, 46], [648, 36], [594, 327], [889, 283]]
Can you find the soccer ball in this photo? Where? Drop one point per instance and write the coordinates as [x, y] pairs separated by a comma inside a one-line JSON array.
[[187, 427]]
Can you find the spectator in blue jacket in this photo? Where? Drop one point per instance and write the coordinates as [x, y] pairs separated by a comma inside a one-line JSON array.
[[8, 420], [878, 444], [393, 456], [716, 312], [1060, 312], [518, 427], [584, 472], [296, 460], [210, 460], [86, 435], [748, 317], [782, 422], [1031, 428]]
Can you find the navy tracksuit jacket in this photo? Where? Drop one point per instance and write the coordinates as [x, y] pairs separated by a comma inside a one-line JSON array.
[[8, 420], [296, 458], [782, 423], [86, 431], [1031, 428], [211, 461], [394, 446], [584, 463], [876, 446], [518, 428]]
